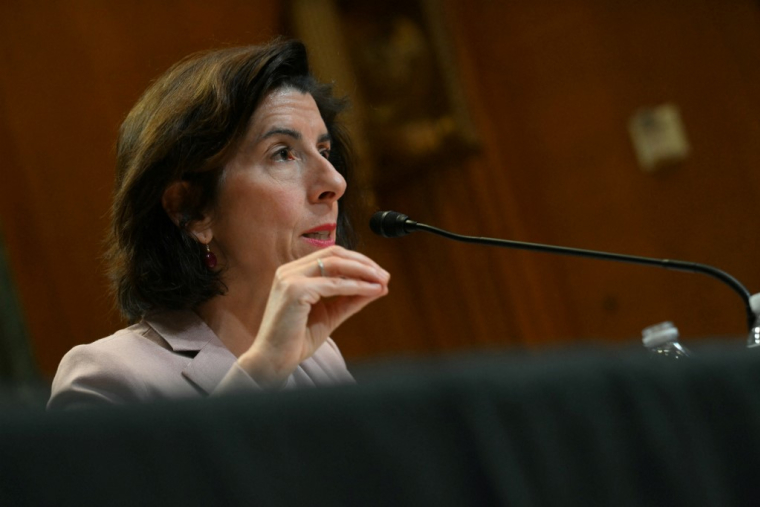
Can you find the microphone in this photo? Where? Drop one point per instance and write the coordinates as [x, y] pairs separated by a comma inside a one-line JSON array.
[[391, 224]]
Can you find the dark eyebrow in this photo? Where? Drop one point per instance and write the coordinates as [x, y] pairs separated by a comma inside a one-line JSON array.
[[278, 130], [324, 138]]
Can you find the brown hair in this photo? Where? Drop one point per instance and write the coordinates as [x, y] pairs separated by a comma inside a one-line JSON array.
[[185, 127]]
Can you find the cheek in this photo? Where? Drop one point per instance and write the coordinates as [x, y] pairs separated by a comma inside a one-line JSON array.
[[256, 205], [240, 194]]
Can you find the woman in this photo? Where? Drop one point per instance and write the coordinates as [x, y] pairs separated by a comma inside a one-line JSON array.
[[228, 244]]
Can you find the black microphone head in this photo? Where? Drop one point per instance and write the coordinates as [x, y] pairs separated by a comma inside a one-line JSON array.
[[389, 224]]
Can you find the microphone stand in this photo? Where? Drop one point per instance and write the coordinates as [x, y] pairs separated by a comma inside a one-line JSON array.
[[692, 267]]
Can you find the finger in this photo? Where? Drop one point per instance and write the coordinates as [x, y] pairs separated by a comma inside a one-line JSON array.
[[347, 268], [334, 251], [314, 289], [343, 308]]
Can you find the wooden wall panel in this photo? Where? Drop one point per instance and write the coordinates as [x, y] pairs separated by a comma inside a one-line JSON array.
[[555, 84]]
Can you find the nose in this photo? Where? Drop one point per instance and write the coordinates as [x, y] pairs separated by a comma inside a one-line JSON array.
[[329, 185]]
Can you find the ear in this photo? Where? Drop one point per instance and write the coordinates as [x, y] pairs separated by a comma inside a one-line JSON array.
[[174, 201]]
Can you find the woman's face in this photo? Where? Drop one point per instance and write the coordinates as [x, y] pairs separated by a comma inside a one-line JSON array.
[[278, 196]]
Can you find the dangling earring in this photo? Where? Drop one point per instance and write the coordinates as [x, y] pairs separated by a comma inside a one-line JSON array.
[[209, 258]]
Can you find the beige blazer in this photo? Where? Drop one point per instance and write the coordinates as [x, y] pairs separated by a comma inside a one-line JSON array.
[[170, 355]]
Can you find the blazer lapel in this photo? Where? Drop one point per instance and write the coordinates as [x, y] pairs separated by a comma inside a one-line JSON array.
[[186, 332], [210, 365]]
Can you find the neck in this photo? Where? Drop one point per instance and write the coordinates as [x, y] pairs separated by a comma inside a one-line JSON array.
[[235, 317]]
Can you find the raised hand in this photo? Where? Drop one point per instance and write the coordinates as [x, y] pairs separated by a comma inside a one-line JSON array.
[[309, 299]]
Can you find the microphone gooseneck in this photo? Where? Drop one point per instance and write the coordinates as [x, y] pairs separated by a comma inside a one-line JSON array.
[[391, 224]]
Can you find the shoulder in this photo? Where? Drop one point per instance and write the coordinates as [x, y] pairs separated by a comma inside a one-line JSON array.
[[109, 353], [97, 372]]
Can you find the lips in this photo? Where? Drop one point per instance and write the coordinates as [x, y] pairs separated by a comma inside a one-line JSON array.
[[322, 235]]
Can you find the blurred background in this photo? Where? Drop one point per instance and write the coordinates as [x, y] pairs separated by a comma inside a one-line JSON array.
[[631, 127]]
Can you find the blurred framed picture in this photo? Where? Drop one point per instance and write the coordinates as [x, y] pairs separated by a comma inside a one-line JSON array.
[[395, 61]]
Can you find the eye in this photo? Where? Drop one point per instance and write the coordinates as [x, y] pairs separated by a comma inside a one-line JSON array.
[[325, 152], [283, 155]]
